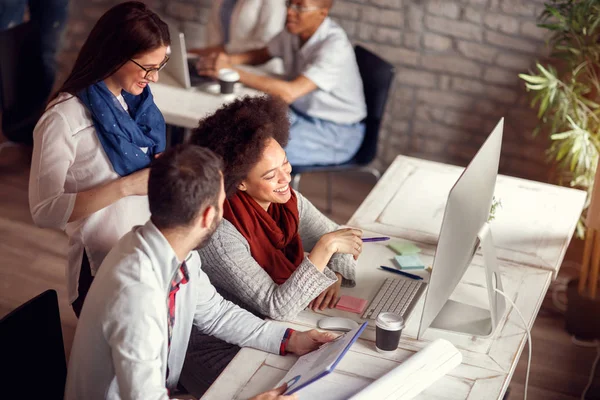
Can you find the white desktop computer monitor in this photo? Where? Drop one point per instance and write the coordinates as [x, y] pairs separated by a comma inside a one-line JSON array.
[[464, 229]]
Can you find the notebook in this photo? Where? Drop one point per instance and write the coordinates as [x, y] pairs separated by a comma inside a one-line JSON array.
[[313, 366]]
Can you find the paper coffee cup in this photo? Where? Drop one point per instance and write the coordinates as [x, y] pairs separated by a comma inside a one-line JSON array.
[[227, 79], [388, 328]]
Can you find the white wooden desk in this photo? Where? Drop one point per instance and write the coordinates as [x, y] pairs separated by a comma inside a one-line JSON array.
[[185, 107], [532, 231]]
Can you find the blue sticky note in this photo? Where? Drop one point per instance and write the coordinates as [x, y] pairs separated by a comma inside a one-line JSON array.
[[411, 261]]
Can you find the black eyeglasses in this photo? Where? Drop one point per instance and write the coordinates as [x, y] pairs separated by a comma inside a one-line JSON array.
[[151, 71]]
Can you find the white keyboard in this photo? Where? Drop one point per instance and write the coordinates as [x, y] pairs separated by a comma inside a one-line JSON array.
[[395, 295]]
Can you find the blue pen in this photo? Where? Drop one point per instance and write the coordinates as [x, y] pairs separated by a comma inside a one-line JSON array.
[[376, 239], [394, 270]]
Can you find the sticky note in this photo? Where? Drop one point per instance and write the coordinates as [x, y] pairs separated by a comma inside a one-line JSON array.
[[411, 261], [404, 248], [352, 304]]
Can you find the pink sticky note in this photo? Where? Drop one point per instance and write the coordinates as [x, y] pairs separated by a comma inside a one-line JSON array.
[[352, 304]]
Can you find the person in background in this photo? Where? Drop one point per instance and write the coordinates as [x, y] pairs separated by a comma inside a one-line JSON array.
[[93, 144], [256, 258], [242, 25], [133, 332], [49, 18], [322, 83]]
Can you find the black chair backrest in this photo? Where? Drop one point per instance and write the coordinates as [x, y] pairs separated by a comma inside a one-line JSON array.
[[377, 76], [32, 350]]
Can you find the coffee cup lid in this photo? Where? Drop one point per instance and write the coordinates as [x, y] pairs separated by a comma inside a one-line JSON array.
[[390, 321], [229, 75]]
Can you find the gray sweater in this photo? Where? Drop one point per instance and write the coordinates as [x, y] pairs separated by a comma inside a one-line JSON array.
[[227, 261]]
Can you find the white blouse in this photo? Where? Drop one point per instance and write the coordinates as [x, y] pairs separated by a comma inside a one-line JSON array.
[[68, 158]]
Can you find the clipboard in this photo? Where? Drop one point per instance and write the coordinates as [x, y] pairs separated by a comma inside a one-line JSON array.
[[321, 362]]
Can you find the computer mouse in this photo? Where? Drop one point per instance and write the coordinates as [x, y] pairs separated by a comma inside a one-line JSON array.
[[337, 324]]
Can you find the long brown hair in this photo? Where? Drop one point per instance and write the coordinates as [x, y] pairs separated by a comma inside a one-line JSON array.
[[124, 31]]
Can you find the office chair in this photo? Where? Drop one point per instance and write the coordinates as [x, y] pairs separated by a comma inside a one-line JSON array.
[[377, 76], [32, 350], [23, 82]]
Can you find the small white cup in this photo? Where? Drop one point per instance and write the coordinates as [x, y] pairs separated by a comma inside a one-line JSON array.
[[227, 79]]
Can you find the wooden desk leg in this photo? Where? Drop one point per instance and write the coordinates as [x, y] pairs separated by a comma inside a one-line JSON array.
[[587, 255]]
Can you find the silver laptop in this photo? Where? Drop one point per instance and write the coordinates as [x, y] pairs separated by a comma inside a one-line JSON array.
[[182, 69]]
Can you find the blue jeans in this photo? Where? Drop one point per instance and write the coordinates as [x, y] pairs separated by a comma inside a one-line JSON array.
[[47, 19], [315, 141], [50, 16]]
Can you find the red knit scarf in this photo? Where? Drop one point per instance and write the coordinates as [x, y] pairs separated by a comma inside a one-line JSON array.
[[272, 235]]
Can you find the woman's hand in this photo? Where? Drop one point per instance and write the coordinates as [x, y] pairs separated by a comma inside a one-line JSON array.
[[329, 297], [136, 184], [347, 240], [210, 64]]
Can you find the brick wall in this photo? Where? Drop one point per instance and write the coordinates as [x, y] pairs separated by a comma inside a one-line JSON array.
[[457, 64]]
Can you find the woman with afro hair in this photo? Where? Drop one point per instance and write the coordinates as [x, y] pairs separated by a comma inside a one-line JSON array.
[[256, 257]]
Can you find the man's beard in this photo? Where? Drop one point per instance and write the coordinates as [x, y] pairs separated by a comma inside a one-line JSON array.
[[211, 230]]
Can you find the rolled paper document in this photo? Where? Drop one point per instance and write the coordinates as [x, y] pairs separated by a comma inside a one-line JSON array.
[[415, 374]]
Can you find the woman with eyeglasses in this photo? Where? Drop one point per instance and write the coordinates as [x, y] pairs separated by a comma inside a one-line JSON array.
[[93, 144]]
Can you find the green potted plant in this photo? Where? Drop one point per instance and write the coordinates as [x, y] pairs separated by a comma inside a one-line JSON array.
[[566, 93]]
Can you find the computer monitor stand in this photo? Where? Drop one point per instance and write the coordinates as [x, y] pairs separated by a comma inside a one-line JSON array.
[[469, 319]]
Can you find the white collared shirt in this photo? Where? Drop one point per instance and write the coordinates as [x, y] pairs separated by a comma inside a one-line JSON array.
[[120, 349], [68, 158], [328, 60]]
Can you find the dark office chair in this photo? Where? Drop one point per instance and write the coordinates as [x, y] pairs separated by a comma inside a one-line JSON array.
[[377, 76], [32, 351], [23, 82]]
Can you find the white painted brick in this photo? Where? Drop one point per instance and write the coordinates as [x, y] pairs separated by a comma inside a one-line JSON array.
[[349, 26], [444, 82], [412, 40], [443, 8], [467, 85], [186, 11], [500, 75], [530, 29], [490, 108], [460, 119], [464, 30], [404, 97], [376, 16], [414, 77], [502, 23], [519, 7], [441, 98], [510, 42], [425, 145], [500, 94], [388, 35], [415, 18], [365, 31], [472, 14], [345, 10], [439, 131], [514, 61], [475, 51], [387, 3], [452, 64], [399, 56], [480, 3], [436, 42]]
